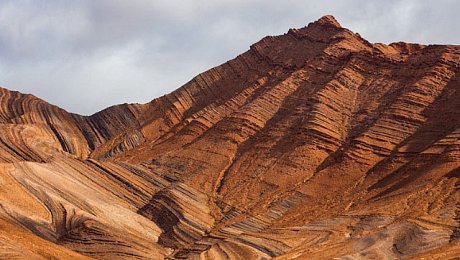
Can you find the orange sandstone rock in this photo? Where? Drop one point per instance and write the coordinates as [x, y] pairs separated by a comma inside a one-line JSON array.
[[315, 144]]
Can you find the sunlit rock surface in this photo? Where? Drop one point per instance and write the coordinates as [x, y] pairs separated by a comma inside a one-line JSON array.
[[315, 144]]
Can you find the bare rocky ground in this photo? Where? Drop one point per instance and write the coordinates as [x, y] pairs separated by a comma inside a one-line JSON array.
[[315, 144]]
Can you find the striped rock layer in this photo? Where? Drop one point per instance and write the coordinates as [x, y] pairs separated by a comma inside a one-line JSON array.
[[315, 144]]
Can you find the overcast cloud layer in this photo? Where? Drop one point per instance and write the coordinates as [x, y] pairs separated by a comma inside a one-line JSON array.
[[89, 54]]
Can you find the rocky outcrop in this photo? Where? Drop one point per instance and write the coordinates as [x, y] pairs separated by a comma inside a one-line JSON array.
[[312, 144], [35, 130]]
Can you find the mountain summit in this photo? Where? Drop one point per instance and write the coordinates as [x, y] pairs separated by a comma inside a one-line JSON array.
[[328, 20], [315, 144]]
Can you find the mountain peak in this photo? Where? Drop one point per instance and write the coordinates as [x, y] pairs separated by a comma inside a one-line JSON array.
[[328, 20], [308, 133]]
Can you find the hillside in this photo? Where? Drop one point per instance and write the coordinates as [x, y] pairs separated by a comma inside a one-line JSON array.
[[315, 144]]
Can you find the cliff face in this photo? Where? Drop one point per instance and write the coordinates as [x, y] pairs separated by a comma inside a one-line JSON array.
[[312, 144]]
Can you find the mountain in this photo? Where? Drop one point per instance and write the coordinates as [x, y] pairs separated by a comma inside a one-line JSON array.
[[315, 144]]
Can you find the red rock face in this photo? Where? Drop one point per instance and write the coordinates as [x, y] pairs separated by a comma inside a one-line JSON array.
[[314, 144]]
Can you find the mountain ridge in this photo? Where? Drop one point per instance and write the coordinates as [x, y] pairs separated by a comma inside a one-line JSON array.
[[311, 144]]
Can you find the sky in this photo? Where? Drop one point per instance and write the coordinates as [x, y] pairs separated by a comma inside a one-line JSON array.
[[87, 55]]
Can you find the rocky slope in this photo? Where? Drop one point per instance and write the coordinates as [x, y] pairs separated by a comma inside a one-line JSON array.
[[315, 144]]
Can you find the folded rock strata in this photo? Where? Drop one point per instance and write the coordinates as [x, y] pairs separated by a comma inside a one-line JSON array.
[[315, 144]]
